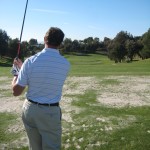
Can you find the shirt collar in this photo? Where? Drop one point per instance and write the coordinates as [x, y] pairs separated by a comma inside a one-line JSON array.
[[52, 50]]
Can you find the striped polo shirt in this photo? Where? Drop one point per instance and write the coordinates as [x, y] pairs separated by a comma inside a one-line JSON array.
[[44, 74]]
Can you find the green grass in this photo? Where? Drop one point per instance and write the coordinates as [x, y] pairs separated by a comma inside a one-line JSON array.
[[5, 66], [5, 120], [110, 81], [6, 61], [98, 65], [5, 93], [121, 128], [23, 148], [126, 128], [93, 65]]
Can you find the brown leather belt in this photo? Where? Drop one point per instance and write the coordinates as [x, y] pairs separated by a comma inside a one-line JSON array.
[[44, 104]]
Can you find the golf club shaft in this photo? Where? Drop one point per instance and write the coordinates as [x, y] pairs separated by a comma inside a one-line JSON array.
[[22, 29]]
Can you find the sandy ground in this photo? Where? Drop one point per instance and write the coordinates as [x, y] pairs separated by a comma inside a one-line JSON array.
[[125, 91]]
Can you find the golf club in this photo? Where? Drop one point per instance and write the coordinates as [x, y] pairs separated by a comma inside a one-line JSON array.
[[18, 52]]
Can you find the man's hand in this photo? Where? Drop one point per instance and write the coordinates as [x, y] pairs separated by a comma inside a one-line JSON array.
[[16, 89], [16, 67], [18, 62], [15, 70]]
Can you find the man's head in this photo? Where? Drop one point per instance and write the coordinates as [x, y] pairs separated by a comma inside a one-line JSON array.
[[54, 37]]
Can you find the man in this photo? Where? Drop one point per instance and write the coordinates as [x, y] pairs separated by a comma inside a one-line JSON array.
[[44, 74]]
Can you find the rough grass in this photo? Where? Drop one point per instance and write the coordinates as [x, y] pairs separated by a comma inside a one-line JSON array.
[[98, 127], [5, 120], [110, 81]]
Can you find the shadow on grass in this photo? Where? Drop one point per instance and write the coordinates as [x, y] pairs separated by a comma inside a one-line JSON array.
[[23, 148], [6, 62], [5, 65], [82, 54]]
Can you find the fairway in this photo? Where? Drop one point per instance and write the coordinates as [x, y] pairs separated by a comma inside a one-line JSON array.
[[99, 65], [105, 106]]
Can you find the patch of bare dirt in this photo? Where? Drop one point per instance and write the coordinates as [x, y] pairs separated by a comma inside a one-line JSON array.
[[132, 91]]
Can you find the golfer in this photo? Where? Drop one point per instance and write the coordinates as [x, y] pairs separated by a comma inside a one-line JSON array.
[[44, 74]]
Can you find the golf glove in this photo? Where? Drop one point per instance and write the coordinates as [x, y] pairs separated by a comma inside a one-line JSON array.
[[15, 70]]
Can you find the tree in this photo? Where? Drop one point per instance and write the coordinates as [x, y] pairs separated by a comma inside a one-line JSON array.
[[75, 46], [88, 44], [81, 46], [25, 49], [117, 52], [96, 44], [117, 48], [33, 46], [103, 46], [13, 47], [91, 45], [131, 49], [33, 42], [67, 45], [146, 43], [3, 42], [106, 42]]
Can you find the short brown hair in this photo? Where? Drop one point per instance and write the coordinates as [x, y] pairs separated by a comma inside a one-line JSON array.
[[54, 36]]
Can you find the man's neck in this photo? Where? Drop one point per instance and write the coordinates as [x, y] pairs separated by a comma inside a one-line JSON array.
[[50, 46]]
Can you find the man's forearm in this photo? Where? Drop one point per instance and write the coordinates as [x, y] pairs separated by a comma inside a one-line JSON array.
[[16, 89], [14, 81]]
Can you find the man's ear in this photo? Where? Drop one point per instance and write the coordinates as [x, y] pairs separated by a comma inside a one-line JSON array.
[[45, 40]]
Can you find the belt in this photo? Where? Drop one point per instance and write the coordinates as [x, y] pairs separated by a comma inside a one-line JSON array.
[[44, 104]]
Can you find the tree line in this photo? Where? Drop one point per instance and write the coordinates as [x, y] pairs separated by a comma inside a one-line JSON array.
[[123, 47]]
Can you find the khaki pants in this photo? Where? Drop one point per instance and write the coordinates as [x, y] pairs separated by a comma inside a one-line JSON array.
[[43, 126]]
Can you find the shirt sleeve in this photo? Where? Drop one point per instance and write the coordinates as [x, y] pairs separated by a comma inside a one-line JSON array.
[[22, 79]]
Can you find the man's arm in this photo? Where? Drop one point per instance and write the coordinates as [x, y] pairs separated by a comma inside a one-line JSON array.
[[16, 89]]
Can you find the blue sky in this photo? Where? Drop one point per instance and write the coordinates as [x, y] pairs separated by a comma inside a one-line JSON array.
[[79, 19]]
